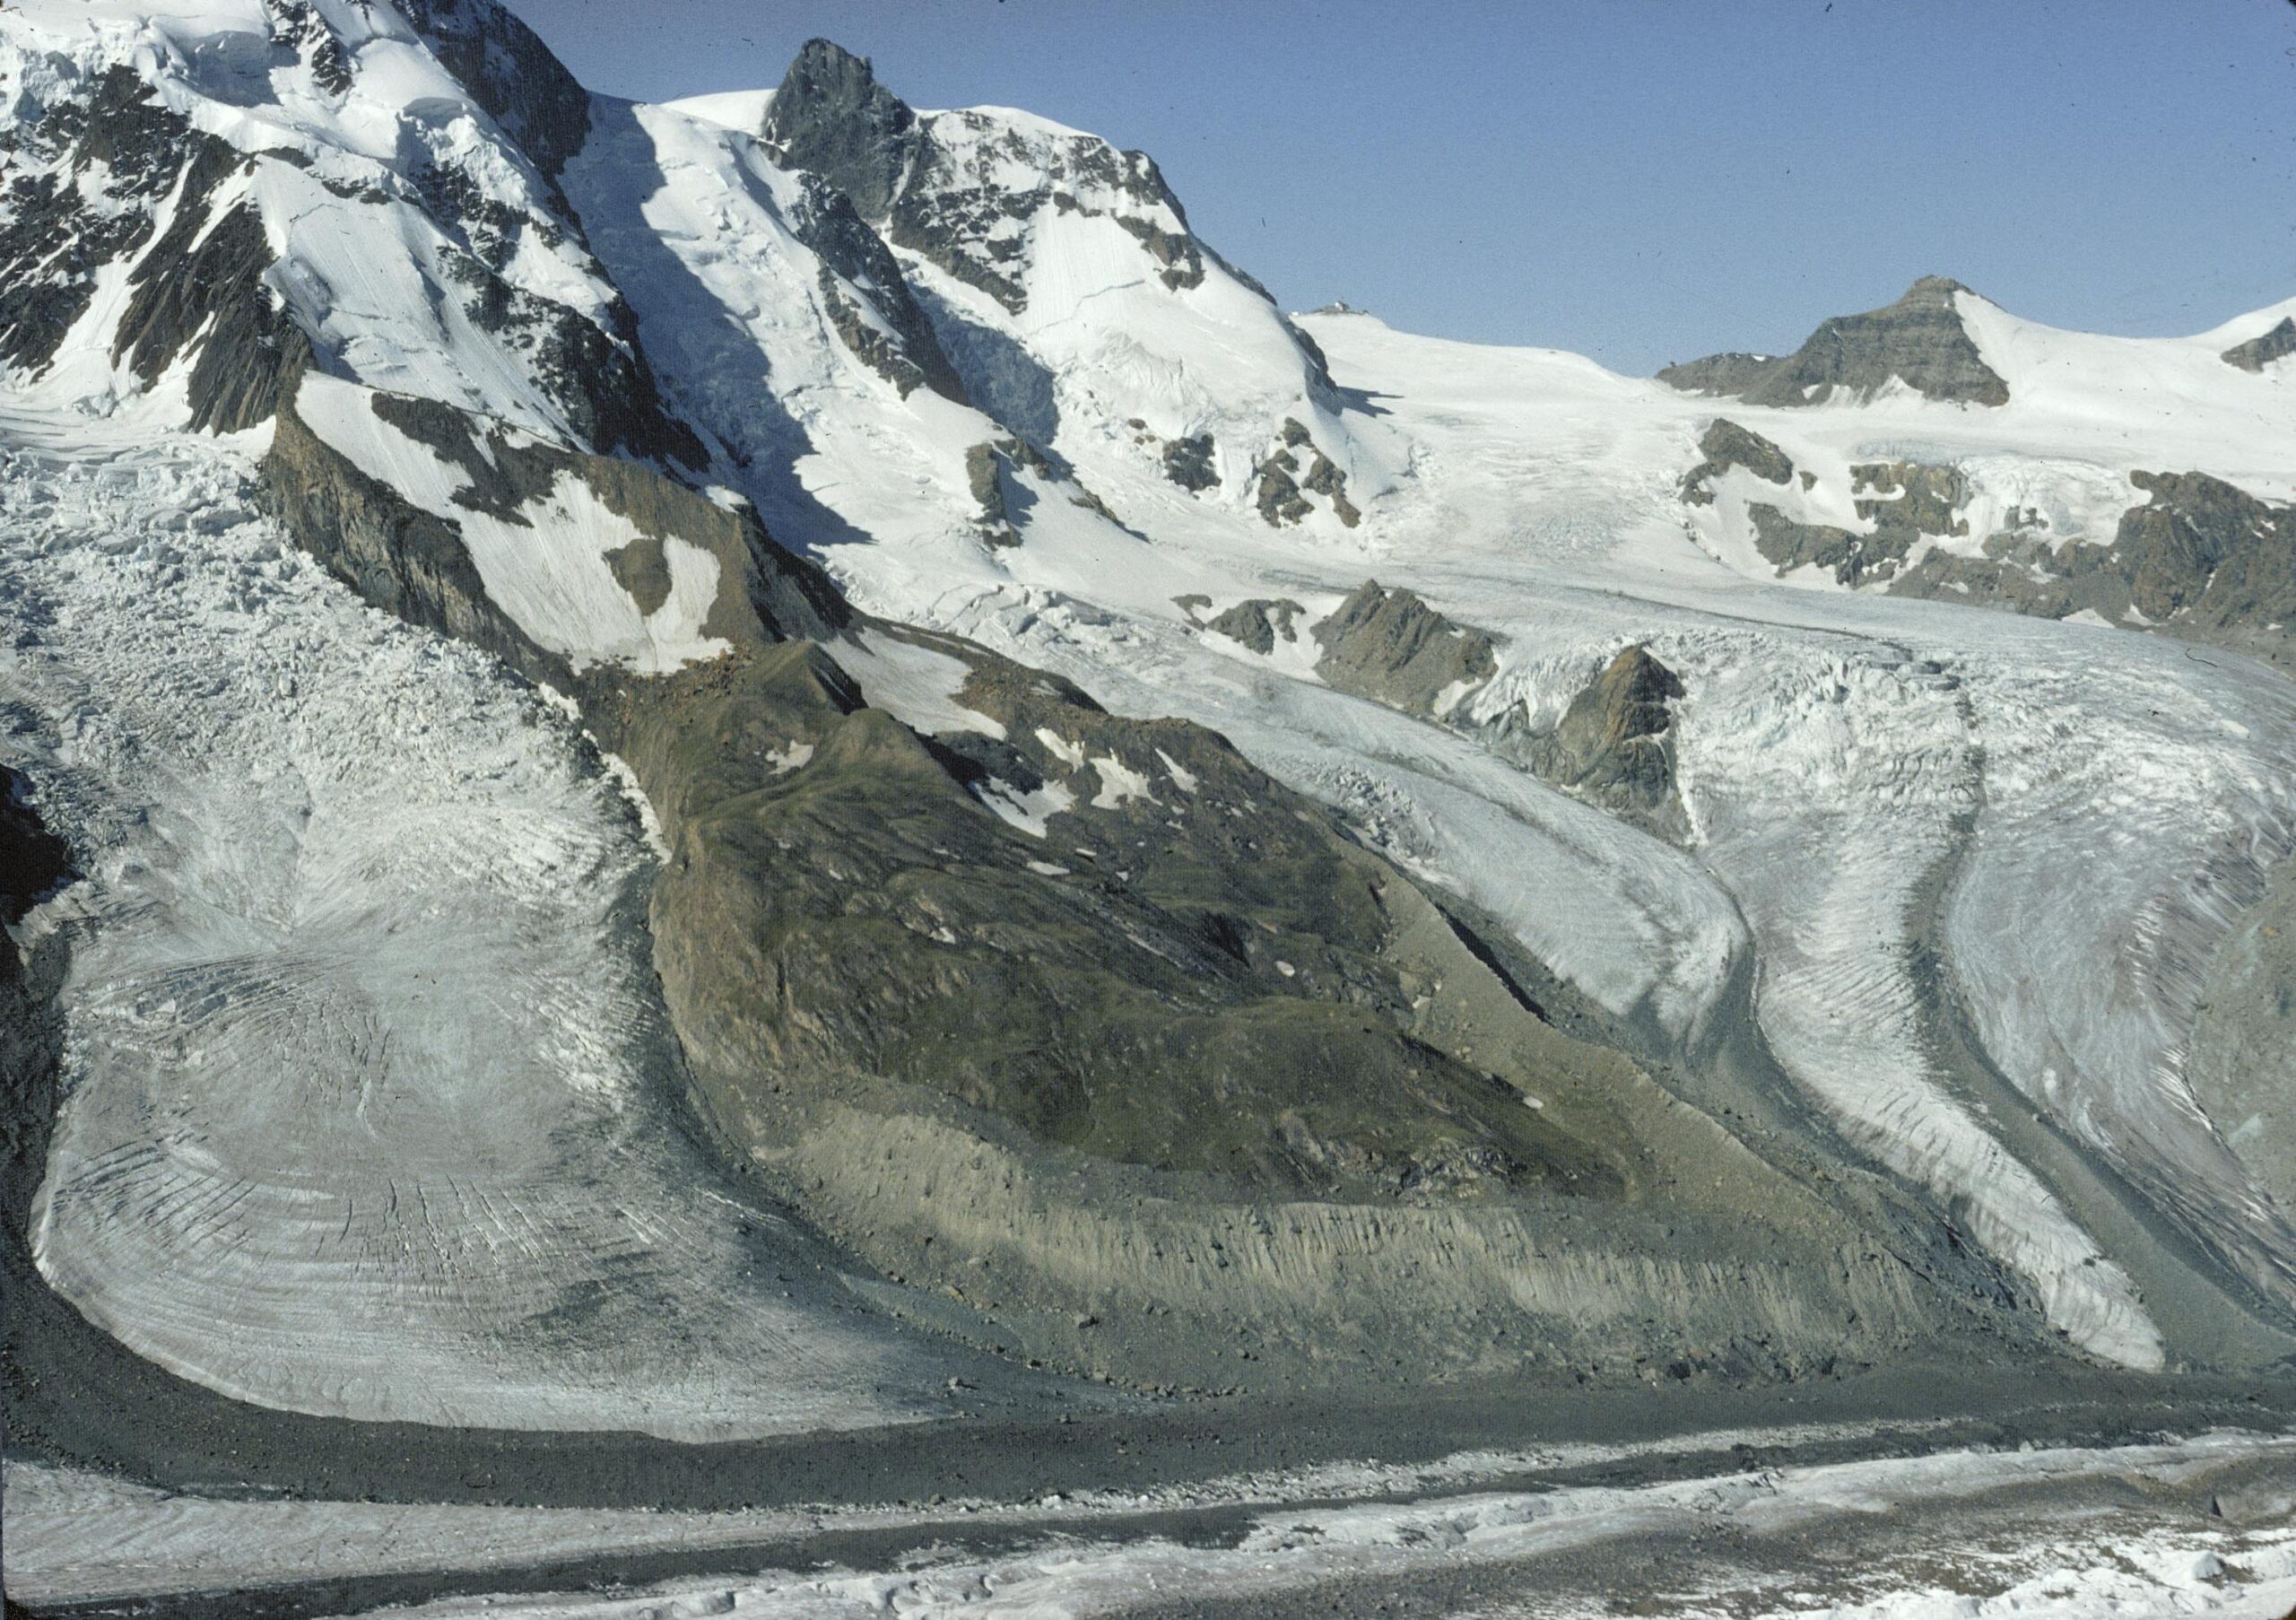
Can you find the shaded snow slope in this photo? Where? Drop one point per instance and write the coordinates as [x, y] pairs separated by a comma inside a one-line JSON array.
[[364, 1108]]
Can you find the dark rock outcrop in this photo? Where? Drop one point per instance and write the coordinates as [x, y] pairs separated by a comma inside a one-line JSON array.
[[1323, 478], [1258, 622], [2204, 560], [1920, 339], [2208, 551], [1391, 647], [2263, 349], [1726, 445], [985, 473], [85, 180], [412, 563], [1614, 745], [939, 185], [204, 288], [1909, 501], [1789, 544], [831, 117], [298, 27], [825, 221], [1277, 494], [1281, 493], [2201, 558], [1188, 462], [510, 72], [1718, 375]]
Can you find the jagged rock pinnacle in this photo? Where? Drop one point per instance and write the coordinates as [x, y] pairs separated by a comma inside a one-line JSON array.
[[830, 116]]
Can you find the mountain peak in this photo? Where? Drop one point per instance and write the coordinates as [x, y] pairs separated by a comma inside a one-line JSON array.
[[1919, 341], [1931, 292], [831, 117]]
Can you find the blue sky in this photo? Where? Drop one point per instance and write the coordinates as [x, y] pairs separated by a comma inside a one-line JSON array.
[[1639, 180]]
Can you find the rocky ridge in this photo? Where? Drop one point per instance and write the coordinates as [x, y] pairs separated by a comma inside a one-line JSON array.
[[1920, 341], [2190, 553]]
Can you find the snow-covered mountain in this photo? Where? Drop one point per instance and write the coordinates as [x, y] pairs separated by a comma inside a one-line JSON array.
[[647, 699]]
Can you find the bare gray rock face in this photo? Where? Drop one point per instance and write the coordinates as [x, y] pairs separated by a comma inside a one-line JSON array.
[[1391, 647], [513, 74], [1727, 444], [2202, 557], [1188, 462], [1911, 501], [2262, 350], [826, 221], [832, 118], [414, 563], [935, 189], [1613, 746], [103, 165], [1919, 340], [1258, 622], [1718, 375]]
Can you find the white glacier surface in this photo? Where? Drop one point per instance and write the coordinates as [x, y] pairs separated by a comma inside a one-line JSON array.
[[364, 1109]]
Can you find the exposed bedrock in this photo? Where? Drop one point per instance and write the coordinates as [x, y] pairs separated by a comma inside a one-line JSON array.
[[1614, 745], [1919, 340], [1391, 647], [414, 563], [91, 175], [2197, 556], [2264, 348], [952, 186], [1188, 462], [1726, 445], [511, 72], [901, 344], [936, 188], [1259, 623], [2191, 552]]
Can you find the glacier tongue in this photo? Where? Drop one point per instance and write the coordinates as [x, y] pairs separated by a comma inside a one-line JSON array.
[[1830, 790], [364, 1103]]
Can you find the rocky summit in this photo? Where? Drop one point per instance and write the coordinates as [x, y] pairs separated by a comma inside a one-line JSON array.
[[768, 822]]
